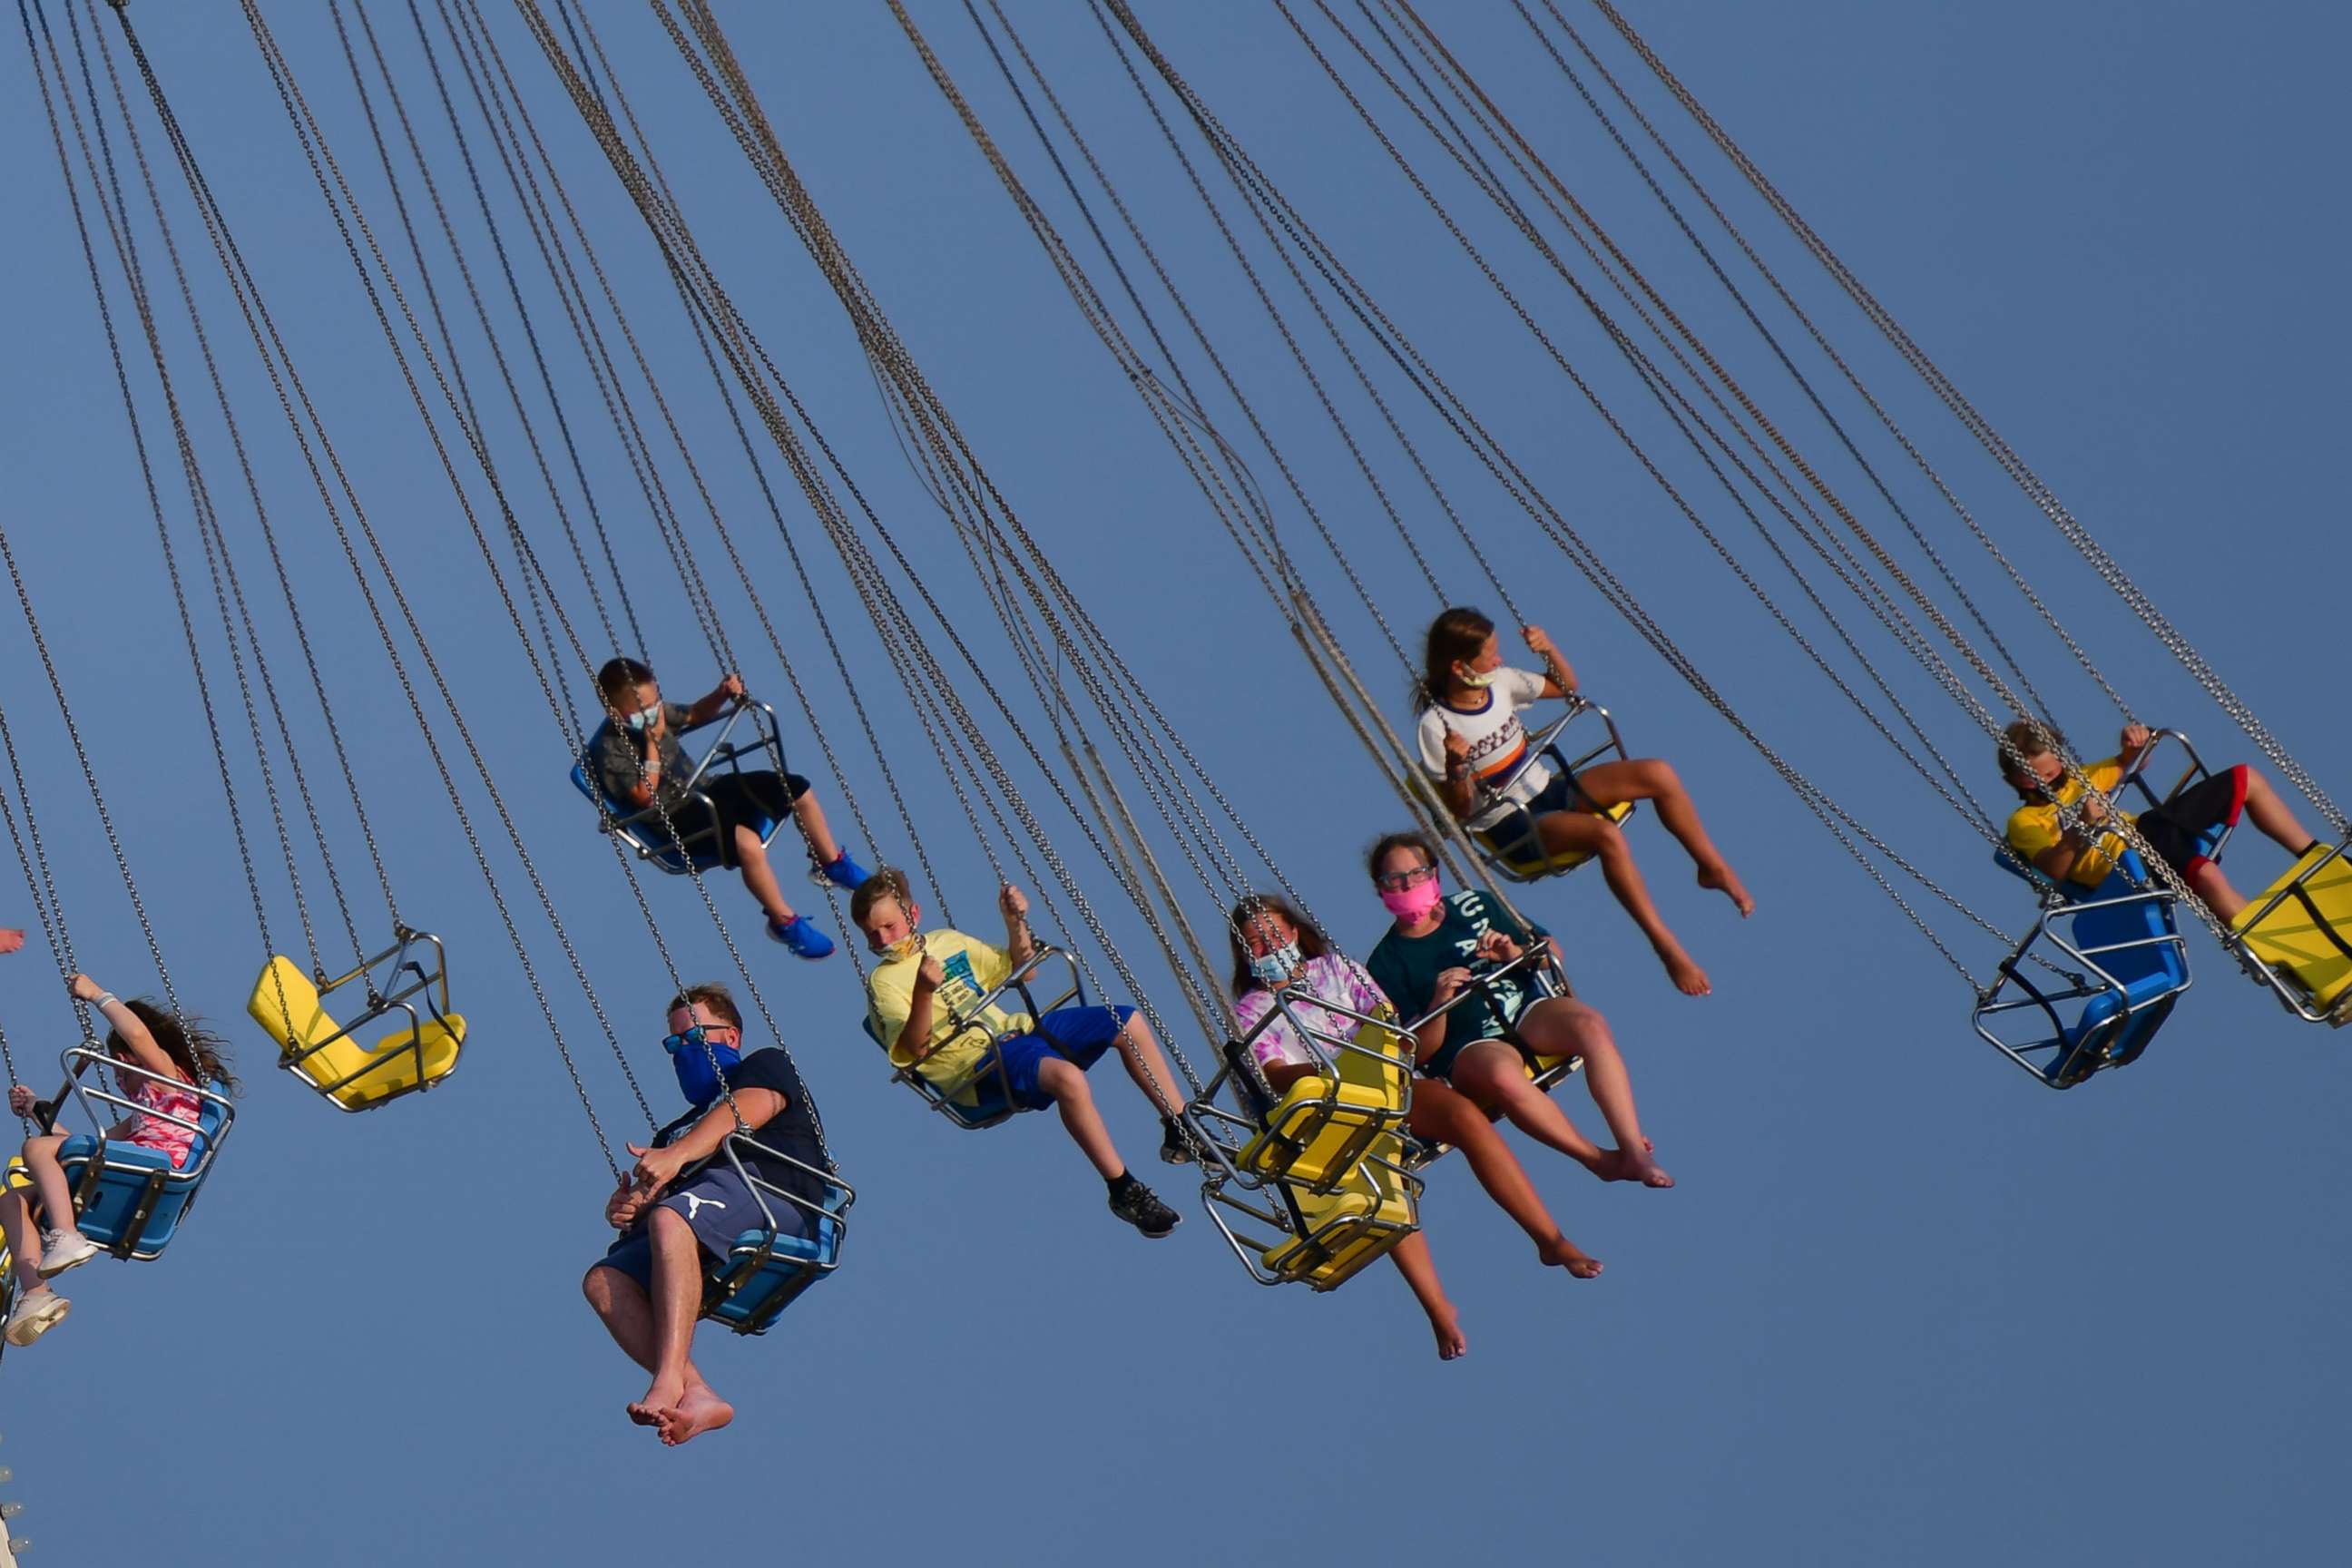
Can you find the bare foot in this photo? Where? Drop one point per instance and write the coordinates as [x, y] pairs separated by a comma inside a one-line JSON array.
[[1623, 1165], [1562, 1253], [664, 1394], [1688, 978], [700, 1411], [1720, 878], [1447, 1325]]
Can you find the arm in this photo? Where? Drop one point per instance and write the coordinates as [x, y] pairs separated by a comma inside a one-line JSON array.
[[1020, 943], [125, 1023], [647, 773], [1460, 788], [914, 1040], [1559, 679], [656, 1168], [2059, 861], [2135, 741], [728, 689], [1430, 1037]]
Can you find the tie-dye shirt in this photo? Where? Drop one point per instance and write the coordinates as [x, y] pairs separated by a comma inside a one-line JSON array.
[[152, 1132], [1340, 981]]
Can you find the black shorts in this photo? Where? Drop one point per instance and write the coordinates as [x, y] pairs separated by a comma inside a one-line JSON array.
[[743, 800], [2185, 829]]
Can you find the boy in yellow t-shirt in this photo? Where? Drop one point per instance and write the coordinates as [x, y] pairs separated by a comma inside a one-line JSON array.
[[923, 1000], [2182, 830]]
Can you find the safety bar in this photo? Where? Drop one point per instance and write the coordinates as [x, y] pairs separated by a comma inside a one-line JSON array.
[[76, 1060], [740, 1269], [653, 829]]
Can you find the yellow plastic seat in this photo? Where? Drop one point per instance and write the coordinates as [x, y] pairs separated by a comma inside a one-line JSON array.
[[1535, 863], [1344, 1231], [2294, 944], [321, 1052], [1318, 1130]]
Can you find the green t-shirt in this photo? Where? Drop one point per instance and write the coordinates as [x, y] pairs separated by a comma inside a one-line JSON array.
[[1406, 968]]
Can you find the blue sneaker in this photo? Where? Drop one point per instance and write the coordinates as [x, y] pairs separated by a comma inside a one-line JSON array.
[[844, 872], [801, 937]]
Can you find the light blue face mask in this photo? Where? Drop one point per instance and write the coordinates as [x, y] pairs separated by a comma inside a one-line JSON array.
[[642, 719], [1275, 965]]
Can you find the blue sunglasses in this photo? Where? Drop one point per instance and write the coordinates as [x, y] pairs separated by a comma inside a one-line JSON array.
[[697, 1036]]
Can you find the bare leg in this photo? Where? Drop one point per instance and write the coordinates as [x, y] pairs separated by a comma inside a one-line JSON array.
[[1485, 1073], [1441, 1113], [1140, 1051], [810, 816], [627, 1314], [683, 1405], [1647, 778], [1563, 1026], [1067, 1086], [2214, 888], [1420, 1271], [49, 1181], [760, 877], [2272, 815], [1599, 836], [24, 1239]]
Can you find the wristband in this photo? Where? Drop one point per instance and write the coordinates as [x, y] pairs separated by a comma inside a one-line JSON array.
[[104, 1000]]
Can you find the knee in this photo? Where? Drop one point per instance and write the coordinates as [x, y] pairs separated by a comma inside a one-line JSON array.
[[1659, 776], [1607, 839], [597, 1286], [1062, 1083], [748, 847], [1136, 1031]]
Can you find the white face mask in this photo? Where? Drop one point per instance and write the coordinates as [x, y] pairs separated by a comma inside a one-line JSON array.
[[1275, 965], [1477, 679]]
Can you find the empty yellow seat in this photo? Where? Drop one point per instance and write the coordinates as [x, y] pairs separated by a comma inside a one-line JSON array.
[[320, 1051], [2298, 948], [1346, 1230]]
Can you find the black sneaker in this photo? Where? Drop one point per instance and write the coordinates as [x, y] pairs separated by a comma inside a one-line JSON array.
[[1175, 1149], [1140, 1207]]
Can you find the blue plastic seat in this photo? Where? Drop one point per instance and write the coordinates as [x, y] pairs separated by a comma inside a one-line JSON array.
[[989, 1102], [763, 1273], [642, 827], [2117, 950], [132, 1200]]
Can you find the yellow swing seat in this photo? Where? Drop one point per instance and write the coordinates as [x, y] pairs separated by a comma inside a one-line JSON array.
[[1342, 1232], [286, 1003], [2299, 932], [1319, 1130]]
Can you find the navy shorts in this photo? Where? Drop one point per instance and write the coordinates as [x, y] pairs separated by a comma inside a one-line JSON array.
[[2185, 829], [1079, 1035], [718, 1207]]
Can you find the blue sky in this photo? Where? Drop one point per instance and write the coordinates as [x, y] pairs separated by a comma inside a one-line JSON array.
[[1905, 1304]]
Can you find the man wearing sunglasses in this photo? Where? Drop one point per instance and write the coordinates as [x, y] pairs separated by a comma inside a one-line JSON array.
[[684, 1205]]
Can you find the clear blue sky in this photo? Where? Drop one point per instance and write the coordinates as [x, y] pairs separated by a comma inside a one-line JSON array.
[[1905, 1305]]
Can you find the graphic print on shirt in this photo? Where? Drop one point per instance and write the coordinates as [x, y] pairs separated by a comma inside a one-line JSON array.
[[1497, 751], [1506, 996], [960, 988]]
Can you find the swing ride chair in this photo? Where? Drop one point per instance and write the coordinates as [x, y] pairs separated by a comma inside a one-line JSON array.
[[1313, 1135], [766, 1270], [682, 854], [1514, 847], [989, 1088], [1544, 980], [1286, 1236], [131, 1200], [291, 1007]]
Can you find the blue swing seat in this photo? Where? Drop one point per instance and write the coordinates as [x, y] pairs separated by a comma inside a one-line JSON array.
[[982, 1100], [2124, 934], [643, 826], [766, 1271], [131, 1200]]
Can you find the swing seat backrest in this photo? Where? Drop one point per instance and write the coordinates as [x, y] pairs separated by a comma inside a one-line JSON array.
[[2305, 943], [650, 838], [1318, 1131], [747, 1293], [1343, 1232], [317, 1049], [2113, 1030], [981, 1102], [135, 1201]]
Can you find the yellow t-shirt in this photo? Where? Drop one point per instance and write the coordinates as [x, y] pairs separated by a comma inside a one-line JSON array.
[[2034, 829], [973, 970]]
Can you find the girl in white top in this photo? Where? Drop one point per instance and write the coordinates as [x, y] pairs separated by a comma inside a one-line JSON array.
[[1471, 739], [1274, 950]]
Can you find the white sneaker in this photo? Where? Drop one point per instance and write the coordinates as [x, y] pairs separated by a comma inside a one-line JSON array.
[[61, 1251], [34, 1314]]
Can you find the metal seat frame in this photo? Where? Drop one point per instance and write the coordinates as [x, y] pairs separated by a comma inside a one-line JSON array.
[[395, 994], [650, 830], [941, 1097], [155, 1181], [729, 1275], [1516, 837]]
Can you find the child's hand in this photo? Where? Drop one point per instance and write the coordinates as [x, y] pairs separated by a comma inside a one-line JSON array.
[[1013, 903], [2136, 739], [1457, 747], [1449, 983], [730, 686], [931, 974], [84, 988], [1540, 643], [20, 1100], [11, 940], [1497, 948]]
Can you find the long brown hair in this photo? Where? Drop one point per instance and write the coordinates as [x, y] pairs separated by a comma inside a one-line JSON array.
[[1310, 940], [1454, 637], [193, 1049]]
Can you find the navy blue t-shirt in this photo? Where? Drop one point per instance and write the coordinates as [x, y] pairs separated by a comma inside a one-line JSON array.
[[790, 1131], [1407, 968]]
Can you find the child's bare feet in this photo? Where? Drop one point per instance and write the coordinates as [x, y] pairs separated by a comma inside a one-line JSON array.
[[1720, 878], [1561, 1253], [700, 1411], [1626, 1166], [1688, 978], [1446, 1324]]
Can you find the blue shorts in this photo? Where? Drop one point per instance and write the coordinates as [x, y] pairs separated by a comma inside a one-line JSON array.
[[718, 1207], [1079, 1035]]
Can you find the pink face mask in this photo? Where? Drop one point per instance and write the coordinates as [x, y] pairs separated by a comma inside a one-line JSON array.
[[1412, 904]]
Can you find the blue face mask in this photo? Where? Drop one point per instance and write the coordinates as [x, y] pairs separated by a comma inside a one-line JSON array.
[[1275, 965], [641, 719], [689, 1058]]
